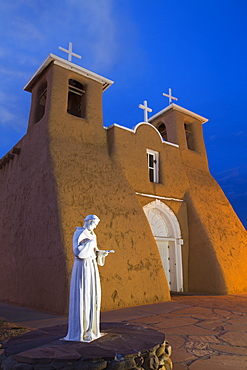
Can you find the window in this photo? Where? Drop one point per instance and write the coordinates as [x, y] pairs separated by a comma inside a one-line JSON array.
[[189, 136], [153, 165], [162, 129], [41, 102], [76, 99]]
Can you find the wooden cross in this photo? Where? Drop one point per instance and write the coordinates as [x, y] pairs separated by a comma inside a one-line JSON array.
[[170, 96], [70, 52], [144, 106]]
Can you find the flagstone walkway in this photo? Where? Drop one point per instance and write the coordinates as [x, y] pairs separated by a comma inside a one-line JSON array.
[[205, 332]]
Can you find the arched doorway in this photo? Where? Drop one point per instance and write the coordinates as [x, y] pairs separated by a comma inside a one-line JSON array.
[[167, 234]]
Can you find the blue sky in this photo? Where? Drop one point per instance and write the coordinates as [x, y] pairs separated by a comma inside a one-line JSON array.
[[198, 48]]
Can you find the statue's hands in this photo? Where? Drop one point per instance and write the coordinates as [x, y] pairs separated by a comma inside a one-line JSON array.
[[104, 253]]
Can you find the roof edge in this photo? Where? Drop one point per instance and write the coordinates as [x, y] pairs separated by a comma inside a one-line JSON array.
[[68, 65], [134, 129], [179, 109]]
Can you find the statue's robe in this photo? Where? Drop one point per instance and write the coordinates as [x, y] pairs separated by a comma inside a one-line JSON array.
[[85, 290]]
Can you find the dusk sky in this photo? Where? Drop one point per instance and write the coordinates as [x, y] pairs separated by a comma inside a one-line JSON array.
[[196, 47]]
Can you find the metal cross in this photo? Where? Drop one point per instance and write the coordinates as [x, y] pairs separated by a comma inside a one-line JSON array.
[[170, 96], [144, 106], [70, 52]]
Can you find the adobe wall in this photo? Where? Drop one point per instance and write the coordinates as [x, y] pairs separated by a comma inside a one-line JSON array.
[[215, 249], [128, 150], [88, 181], [32, 259], [218, 240]]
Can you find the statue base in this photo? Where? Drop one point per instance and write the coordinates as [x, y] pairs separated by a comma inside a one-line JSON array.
[[124, 346]]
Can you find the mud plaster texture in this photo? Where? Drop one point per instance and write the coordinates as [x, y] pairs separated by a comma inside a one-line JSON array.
[[69, 167]]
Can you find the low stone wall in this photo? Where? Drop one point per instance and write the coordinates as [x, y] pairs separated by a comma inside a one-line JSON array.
[[156, 358]]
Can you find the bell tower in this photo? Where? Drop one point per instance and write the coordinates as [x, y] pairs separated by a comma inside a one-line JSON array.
[[184, 128], [67, 98]]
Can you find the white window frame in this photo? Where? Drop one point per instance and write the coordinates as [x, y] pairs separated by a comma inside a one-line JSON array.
[[155, 168]]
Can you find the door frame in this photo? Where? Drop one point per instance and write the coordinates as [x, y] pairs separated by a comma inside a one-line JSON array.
[[173, 233]]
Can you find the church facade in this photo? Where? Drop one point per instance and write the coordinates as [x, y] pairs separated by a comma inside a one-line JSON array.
[[162, 212]]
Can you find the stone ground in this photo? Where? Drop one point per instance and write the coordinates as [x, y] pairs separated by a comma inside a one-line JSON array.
[[205, 332]]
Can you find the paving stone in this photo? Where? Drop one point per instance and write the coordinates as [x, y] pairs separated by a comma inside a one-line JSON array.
[[195, 310], [179, 367], [160, 308], [188, 330], [58, 330], [27, 337], [229, 327], [204, 339], [181, 355], [199, 348], [237, 313], [22, 343], [93, 352], [132, 331], [127, 314], [22, 367], [196, 316], [147, 320], [212, 324], [175, 341], [229, 349], [235, 338], [238, 321], [176, 322], [127, 345], [221, 362], [46, 355], [224, 313]]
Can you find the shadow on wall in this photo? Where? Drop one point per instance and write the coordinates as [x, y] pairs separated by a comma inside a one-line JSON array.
[[205, 272], [33, 265]]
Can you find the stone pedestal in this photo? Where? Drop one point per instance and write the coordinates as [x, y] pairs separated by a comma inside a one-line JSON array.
[[123, 347]]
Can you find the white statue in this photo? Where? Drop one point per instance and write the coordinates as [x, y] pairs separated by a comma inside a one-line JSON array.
[[85, 291]]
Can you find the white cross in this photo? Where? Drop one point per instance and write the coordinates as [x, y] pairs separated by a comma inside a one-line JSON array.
[[70, 52], [170, 96], [146, 110]]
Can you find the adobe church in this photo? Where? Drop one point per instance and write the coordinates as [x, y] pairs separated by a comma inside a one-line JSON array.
[[167, 219]]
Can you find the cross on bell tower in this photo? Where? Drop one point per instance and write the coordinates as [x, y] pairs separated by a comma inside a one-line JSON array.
[[70, 52], [170, 96]]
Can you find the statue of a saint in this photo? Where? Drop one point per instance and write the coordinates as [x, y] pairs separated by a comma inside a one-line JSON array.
[[85, 291]]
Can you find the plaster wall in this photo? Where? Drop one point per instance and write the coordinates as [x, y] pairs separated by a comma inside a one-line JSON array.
[[32, 260], [128, 150], [87, 182], [214, 256], [218, 240]]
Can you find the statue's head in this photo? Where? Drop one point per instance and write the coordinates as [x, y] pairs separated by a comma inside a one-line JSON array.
[[91, 221]]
